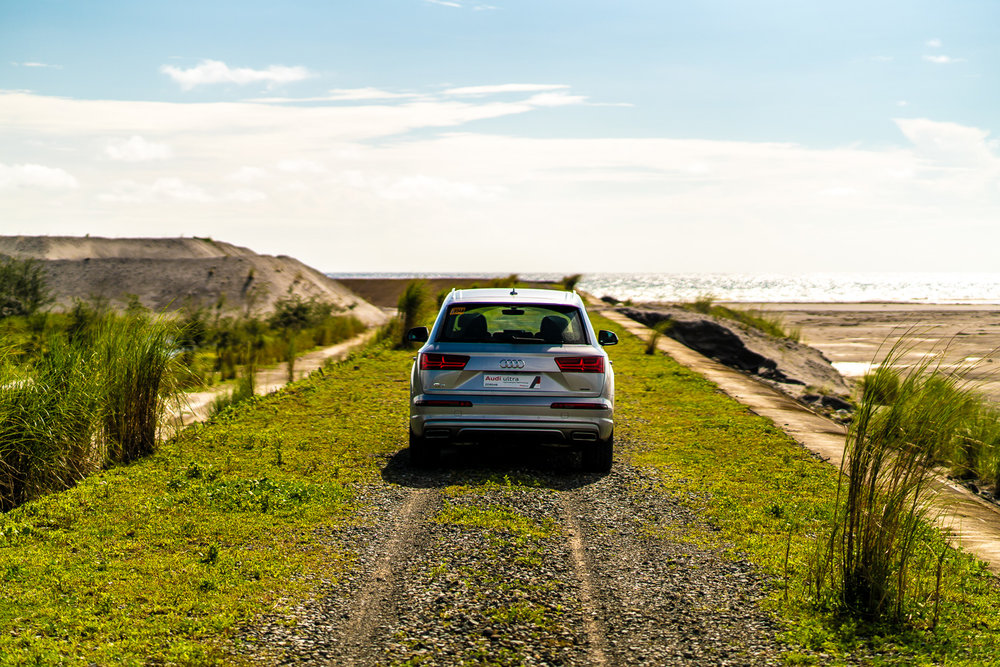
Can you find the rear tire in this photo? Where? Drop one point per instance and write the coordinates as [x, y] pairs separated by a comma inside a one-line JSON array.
[[422, 453], [598, 456]]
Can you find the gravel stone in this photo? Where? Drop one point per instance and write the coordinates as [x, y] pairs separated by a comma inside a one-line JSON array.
[[598, 573]]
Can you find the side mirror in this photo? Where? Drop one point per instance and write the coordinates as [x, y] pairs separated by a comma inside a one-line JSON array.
[[605, 337], [418, 335]]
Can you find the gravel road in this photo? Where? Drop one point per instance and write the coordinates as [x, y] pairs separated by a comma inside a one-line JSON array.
[[487, 562]]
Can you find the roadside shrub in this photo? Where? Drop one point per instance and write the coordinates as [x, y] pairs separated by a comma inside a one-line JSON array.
[[48, 423], [702, 304], [244, 389], [907, 422], [138, 354], [411, 306], [772, 325], [655, 334], [568, 283], [23, 287]]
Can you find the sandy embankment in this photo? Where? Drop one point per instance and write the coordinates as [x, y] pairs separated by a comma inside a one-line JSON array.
[[853, 335]]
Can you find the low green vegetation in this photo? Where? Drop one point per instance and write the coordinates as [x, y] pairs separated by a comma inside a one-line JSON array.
[[774, 503], [217, 346], [86, 389], [164, 559], [772, 325], [161, 560]]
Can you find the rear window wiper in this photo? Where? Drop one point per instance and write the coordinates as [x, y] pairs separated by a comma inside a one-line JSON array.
[[522, 339]]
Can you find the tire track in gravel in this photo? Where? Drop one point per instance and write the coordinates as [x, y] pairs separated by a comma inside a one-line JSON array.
[[482, 562], [660, 597], [373, 602], [336, 626], [593, 620]]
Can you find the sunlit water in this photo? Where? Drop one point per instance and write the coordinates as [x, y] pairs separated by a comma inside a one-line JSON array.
[[928, 288]]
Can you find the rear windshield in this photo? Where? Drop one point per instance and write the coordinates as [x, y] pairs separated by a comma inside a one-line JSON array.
[[512, 323]]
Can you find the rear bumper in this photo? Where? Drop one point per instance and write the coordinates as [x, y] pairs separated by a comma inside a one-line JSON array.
[[532, 420], [535, 432]]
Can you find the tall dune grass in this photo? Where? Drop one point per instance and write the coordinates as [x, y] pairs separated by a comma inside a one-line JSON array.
[[137, 353], [47, 423], [90, 400], [909, 420]]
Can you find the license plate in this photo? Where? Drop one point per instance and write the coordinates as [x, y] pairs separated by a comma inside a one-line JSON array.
[[511, 381]]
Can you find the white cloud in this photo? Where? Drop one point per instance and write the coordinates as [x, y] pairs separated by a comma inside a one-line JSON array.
[[36, 64], [172, 189], [247, 175], [479, 91], [300, 166], [933, 43], [137, 149], [429, 187], [341, 95], [330, 183], [943, 60], [162, 189], [839, 191], [35, 176], [476, 6], [419, 187], [215, 71], [554, 99], [949, 144], [245, 196], [352, 94], [902, 103]]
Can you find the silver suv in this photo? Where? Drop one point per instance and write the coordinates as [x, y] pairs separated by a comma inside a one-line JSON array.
[[515, 366]]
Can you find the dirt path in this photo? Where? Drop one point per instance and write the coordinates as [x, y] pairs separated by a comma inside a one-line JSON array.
[[485, 562]]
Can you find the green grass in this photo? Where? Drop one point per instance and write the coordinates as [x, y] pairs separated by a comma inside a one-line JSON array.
[[159, 560], [764, 492], [162, 560], [772, 325]]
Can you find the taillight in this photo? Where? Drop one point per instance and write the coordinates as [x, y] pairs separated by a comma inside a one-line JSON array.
[[580, 364], [443, 362]]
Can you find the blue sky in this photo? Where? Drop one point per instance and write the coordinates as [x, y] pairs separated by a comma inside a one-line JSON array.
[[430, 134]]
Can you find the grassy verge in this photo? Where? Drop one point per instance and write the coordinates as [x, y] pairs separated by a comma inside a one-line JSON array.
[[160, 560], [769, 497], [772, 325]]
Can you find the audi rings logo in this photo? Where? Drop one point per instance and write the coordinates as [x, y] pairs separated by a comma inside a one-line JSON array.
[[512, 363]]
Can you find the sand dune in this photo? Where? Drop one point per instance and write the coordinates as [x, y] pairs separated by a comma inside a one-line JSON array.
[[175, 272]]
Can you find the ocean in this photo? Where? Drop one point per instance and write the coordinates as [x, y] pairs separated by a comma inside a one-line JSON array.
[[915, 288]]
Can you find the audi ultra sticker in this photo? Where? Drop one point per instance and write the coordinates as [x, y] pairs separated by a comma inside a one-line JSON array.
[[502, 381]]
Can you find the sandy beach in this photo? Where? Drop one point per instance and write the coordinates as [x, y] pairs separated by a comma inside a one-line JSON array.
[[853, 335]]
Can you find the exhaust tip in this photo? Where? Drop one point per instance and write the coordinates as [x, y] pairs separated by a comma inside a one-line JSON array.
[[584, 436]]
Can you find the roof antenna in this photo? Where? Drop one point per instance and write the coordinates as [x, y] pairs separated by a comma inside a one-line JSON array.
[[513, 291]]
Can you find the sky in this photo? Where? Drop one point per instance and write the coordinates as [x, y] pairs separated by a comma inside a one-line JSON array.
[[513, 135]]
